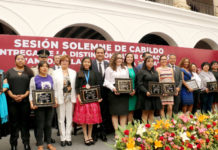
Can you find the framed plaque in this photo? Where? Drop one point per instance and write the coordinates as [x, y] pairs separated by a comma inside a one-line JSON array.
[[192, 84], [169, 88], [123, 85], [90, 95], [1, 83], [155, 88], [212, 86], [43, 98]]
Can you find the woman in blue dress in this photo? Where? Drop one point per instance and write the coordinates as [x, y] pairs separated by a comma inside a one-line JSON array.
[[4, 127], [186, 92]]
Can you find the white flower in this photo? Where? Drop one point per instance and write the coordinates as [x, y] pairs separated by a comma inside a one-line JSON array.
[[184, 136], [141, 129]]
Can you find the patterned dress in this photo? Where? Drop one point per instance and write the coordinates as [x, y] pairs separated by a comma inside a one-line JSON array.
[[89, 113], [166, 75]]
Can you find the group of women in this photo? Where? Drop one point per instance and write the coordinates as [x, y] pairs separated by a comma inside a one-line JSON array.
[[19, 83]]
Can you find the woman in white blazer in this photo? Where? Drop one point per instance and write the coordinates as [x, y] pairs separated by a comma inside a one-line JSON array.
[[64, 86]]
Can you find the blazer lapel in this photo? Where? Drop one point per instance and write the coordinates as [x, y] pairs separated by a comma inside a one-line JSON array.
[[105, 65], [95, 67]]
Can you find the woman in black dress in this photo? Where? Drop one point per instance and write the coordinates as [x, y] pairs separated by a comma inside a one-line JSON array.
[[214, 69], [18, 102], [148, 104]]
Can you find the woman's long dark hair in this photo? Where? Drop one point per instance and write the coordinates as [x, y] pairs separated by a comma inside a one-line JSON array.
[[113, 59], [125, 63], [80, 73], [27, 70], [144, 67]]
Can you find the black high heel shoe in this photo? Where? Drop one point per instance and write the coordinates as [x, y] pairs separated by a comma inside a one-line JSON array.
[[86, 142], [91, 141]]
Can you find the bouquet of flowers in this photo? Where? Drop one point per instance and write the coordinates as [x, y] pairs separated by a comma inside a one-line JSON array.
[[183, 132]]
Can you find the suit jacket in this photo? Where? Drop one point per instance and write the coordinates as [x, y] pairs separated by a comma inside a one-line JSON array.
[[55, 68], [177, 76], [139, 67], [100, 78], [58, 79]]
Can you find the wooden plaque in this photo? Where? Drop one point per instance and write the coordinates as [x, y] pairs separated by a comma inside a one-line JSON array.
[[43, 98], [124, 85], [93, 94], [155, 88], [212, 86], [192, 84]]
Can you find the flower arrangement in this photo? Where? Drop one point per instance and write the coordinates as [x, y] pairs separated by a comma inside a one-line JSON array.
[[183, 132]]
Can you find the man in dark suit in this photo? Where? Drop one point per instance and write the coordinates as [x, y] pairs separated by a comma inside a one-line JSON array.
[[144, 55], [56, 60], [178, 81], [99, 66]]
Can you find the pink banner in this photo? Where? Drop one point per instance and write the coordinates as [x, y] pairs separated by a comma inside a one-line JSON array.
[[78, 48]]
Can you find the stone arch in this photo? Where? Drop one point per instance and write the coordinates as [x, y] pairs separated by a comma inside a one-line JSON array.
[[206, 37], [165, 32], [13, 20], [84, 31], [94, 21]]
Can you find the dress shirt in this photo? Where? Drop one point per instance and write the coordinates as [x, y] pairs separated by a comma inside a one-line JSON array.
[[110, 76], [197, 79], [173, 66], [102, 66], [57, 67], [206, 77]]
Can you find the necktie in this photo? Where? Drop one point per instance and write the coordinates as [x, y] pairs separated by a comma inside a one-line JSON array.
[[173, 66], [100, 69]]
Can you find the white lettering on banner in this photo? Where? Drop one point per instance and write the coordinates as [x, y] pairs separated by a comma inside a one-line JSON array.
[[36, 44], [142, 49], [13, 52], [32, 61], [82, 54], [120, 48], [75, 61], [84, 46]]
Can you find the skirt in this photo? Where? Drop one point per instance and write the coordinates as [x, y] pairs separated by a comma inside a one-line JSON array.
[[186, 97], [132, 102], [215, 97], [118, 104], [149, 103], [4, 129], [87, 113], [167, 100]]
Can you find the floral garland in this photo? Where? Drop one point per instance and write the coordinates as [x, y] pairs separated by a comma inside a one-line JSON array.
[[183, 132]]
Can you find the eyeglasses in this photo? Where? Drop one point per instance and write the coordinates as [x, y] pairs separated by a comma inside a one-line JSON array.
[[18, 59], [119, 58]]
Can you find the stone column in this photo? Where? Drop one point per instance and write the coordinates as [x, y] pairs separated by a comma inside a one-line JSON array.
[[215, 4], [181, 4]]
